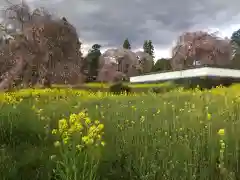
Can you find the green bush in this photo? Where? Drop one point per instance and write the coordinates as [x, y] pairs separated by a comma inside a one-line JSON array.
[[204, 82], [119, 88], [201, 82], [163, 87], [156, 90]]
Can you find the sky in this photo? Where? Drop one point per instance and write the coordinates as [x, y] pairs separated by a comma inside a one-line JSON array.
[[109, 22]]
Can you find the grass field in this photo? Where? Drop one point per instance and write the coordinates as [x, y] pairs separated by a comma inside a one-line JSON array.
[[94, 87], [70, 134]]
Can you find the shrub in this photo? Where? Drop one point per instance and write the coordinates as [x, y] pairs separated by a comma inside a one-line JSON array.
[[164, 87], [119, 88], [46, 83], [201, 82], [204, 82], [156, 90]]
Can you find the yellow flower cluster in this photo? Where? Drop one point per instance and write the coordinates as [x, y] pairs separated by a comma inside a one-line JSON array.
[[80, 130], [221, 132], [10, 98]]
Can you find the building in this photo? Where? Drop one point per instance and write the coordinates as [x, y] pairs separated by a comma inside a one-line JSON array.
[[203, 75]]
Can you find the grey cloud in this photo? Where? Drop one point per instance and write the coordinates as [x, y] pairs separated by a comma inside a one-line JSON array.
[[109, 22]]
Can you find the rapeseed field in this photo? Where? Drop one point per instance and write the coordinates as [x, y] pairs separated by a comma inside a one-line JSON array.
[[66, 134]]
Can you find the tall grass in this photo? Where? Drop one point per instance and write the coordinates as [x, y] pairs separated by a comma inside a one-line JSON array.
[[107, 85], [184, 135]]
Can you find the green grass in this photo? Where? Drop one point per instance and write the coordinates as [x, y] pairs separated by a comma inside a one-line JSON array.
[[105, 85], [169, 136], [136, 88]]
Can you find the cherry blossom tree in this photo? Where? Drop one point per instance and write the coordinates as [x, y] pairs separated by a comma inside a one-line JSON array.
[[200, 48], [39, 41]]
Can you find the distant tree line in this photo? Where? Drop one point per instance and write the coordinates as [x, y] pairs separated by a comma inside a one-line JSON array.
[[92, 59]]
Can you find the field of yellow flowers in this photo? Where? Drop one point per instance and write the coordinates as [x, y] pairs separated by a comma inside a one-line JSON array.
[[54, 134]]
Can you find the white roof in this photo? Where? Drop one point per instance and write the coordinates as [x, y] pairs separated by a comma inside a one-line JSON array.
[[198, 72]]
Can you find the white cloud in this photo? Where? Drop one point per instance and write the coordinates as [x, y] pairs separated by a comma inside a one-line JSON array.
[[227, 31], [163, 53], [159, 52], [84, 48]]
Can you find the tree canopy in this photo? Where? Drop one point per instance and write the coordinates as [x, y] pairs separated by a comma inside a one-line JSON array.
[[235, 38], [126, 44], [148, 47], [38, 43], [162, 65]]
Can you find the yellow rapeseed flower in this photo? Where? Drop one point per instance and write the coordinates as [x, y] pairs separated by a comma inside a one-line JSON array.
[[62, 124], [79, 147], [209, 116], [57, 144], [97, 122], [90, 141], [99, 136], [85, 138], [54, 131], [65, 140], [221, 132], [79, 129], [73, 118], [142, 119], [100, 126], [87, 121]]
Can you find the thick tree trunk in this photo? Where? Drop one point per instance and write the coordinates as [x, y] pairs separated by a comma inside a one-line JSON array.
[[44, 76], [11, 75]]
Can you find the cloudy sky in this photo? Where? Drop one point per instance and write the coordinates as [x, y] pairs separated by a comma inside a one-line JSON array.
[[109, 22]]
